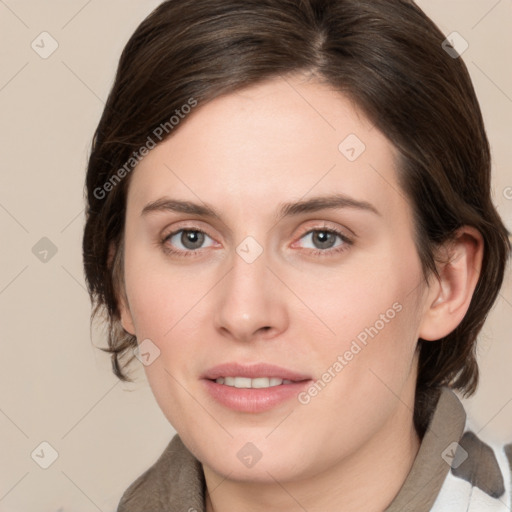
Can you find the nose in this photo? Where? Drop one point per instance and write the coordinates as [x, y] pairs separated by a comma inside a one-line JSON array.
[[251, 301]]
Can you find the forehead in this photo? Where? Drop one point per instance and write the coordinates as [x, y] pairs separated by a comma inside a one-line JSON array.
[[279, 140]]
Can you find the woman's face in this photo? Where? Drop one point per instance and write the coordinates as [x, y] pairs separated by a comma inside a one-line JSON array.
[[307, 275]]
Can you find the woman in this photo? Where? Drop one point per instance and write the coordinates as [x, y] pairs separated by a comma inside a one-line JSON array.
[[290, 225]]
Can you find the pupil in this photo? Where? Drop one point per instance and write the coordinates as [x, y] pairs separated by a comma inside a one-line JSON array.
[[191, 239], [324, 239]]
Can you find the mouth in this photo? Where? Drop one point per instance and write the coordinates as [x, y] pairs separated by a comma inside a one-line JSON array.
[[253, 388]]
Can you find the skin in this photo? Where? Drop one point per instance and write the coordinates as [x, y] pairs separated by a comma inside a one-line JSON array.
[[351, 447]]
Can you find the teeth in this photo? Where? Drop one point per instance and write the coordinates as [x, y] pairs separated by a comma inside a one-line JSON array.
[[257, 383]]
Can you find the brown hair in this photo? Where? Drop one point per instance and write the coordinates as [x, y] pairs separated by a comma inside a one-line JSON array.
[[386, 55]]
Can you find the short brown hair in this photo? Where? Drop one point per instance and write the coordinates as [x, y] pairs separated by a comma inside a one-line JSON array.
[[386, 55]]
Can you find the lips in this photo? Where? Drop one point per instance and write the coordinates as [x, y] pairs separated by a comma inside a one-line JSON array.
[[253, 388], [254, 371]]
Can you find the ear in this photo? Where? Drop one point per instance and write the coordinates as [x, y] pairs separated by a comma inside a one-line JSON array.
[[449, 296], [118, 279]]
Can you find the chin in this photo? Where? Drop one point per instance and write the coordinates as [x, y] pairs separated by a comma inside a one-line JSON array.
[[246, 463]]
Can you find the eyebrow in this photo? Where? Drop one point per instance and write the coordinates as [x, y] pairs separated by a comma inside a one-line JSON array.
[[329, 202]]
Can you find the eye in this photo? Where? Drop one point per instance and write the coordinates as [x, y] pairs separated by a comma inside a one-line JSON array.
[[185, 241], [189, 241], [324, 241]]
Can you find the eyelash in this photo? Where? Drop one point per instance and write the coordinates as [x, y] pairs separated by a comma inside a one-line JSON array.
[[347, 242]]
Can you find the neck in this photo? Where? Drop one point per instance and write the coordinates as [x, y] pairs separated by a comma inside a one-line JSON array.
[[368, 480]]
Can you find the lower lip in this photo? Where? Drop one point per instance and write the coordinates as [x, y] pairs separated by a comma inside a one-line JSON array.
[[254, 400]]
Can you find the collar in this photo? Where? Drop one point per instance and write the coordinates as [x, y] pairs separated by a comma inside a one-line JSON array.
[[429, 469], [176, 480]]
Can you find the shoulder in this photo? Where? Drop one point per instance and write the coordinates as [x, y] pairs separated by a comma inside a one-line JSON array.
[[480, 474], [457, 468], [174, 482]]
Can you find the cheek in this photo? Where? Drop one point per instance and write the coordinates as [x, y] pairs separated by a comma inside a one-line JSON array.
[[165, 302], [161, 296], [162, 313], [359, 299], [371, 315]]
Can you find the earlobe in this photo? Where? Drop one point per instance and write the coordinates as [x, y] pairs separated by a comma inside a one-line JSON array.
[[452, 293], [118, 282], [126, 318]]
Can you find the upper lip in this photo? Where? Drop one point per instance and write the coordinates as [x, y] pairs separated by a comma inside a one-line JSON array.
[[253, 371]]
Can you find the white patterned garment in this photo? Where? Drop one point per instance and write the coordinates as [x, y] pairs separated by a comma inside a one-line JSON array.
[[480, 477], [455, 470]]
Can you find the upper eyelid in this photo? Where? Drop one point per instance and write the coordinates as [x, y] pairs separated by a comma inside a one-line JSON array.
[[229, 235], [327, 227], [312, 227], [196, 224], [194, 227]]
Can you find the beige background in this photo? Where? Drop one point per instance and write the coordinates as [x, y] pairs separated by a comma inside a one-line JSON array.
[[54, 385]]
